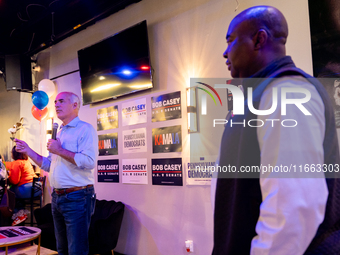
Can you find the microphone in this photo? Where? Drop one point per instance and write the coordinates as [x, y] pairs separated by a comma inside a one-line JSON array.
[[54, 131]]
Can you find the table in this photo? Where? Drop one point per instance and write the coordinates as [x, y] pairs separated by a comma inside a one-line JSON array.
[[17, 235]]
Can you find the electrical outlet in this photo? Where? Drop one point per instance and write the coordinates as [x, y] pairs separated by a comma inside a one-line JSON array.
[[189, 246]]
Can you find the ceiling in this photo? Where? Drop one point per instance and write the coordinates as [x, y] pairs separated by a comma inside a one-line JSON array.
[[29, 26]]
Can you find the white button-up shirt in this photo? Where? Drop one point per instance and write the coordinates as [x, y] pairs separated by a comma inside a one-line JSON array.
[[81, 138]]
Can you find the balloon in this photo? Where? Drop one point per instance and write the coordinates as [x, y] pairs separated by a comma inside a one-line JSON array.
[[39, 114], [40, 99], [47, 86]]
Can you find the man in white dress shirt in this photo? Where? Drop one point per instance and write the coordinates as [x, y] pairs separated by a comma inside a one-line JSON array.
[[71, 162], [278, 212]]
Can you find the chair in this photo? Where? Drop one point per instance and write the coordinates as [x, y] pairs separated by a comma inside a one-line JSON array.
[[36, 199], [7, 201], [44, 219], [104, 228]]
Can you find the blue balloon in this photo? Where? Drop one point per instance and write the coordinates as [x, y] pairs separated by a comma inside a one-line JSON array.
[[40, 99]]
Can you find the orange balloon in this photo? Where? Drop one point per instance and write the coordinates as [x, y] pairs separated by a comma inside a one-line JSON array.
[[39, 114]]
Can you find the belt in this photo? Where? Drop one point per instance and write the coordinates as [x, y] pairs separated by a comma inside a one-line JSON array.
[[69, 190]]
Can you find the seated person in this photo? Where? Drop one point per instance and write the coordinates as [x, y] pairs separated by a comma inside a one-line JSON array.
[[21, 175]]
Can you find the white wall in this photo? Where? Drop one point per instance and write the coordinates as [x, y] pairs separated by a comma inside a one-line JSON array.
[[187, 39], [9, 115]]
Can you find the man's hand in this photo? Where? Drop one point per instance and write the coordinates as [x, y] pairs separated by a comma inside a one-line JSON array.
[[54, 146], [21, 146]]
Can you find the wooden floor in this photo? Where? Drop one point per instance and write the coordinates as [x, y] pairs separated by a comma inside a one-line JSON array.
[[26, 249]]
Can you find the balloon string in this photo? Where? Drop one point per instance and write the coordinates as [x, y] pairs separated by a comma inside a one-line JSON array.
[[40, 139], [41, 146]]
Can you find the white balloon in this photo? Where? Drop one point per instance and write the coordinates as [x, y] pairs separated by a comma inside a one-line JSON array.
[[47, 86]]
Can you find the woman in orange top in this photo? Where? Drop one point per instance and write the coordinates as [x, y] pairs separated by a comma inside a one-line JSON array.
[[21, 174]]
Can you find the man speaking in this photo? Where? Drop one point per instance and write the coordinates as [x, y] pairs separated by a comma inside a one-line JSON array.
[[71, 162]]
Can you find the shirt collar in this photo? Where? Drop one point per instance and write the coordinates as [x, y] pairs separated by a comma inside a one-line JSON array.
[[271, 68], [73, 123], [265, 72]]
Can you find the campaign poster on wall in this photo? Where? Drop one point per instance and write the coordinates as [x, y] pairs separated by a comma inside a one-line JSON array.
[[166, 107], [108, 144], [199, 170], [108, 170], [107, 118], [134, 140], [135, 171], [134, 112], [167, 139], [167, 171]]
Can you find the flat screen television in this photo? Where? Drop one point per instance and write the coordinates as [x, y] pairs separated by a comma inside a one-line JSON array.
[[116, 66]]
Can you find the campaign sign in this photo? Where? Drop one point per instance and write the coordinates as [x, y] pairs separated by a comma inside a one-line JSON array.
[[108, 170], [167, 171], [108, 144], [107, 118], [199, 170], [135, 171], [166, 107], [134, 140], [167, 139], [134, 112]]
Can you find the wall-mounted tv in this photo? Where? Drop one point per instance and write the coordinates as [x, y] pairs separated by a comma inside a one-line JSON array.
[[116, 66]]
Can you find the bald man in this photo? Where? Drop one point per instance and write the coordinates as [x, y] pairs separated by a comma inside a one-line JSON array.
[[71, 162], [276, 212]]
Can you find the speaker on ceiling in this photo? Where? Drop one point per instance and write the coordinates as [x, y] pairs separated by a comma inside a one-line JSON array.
[[18, 73]]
